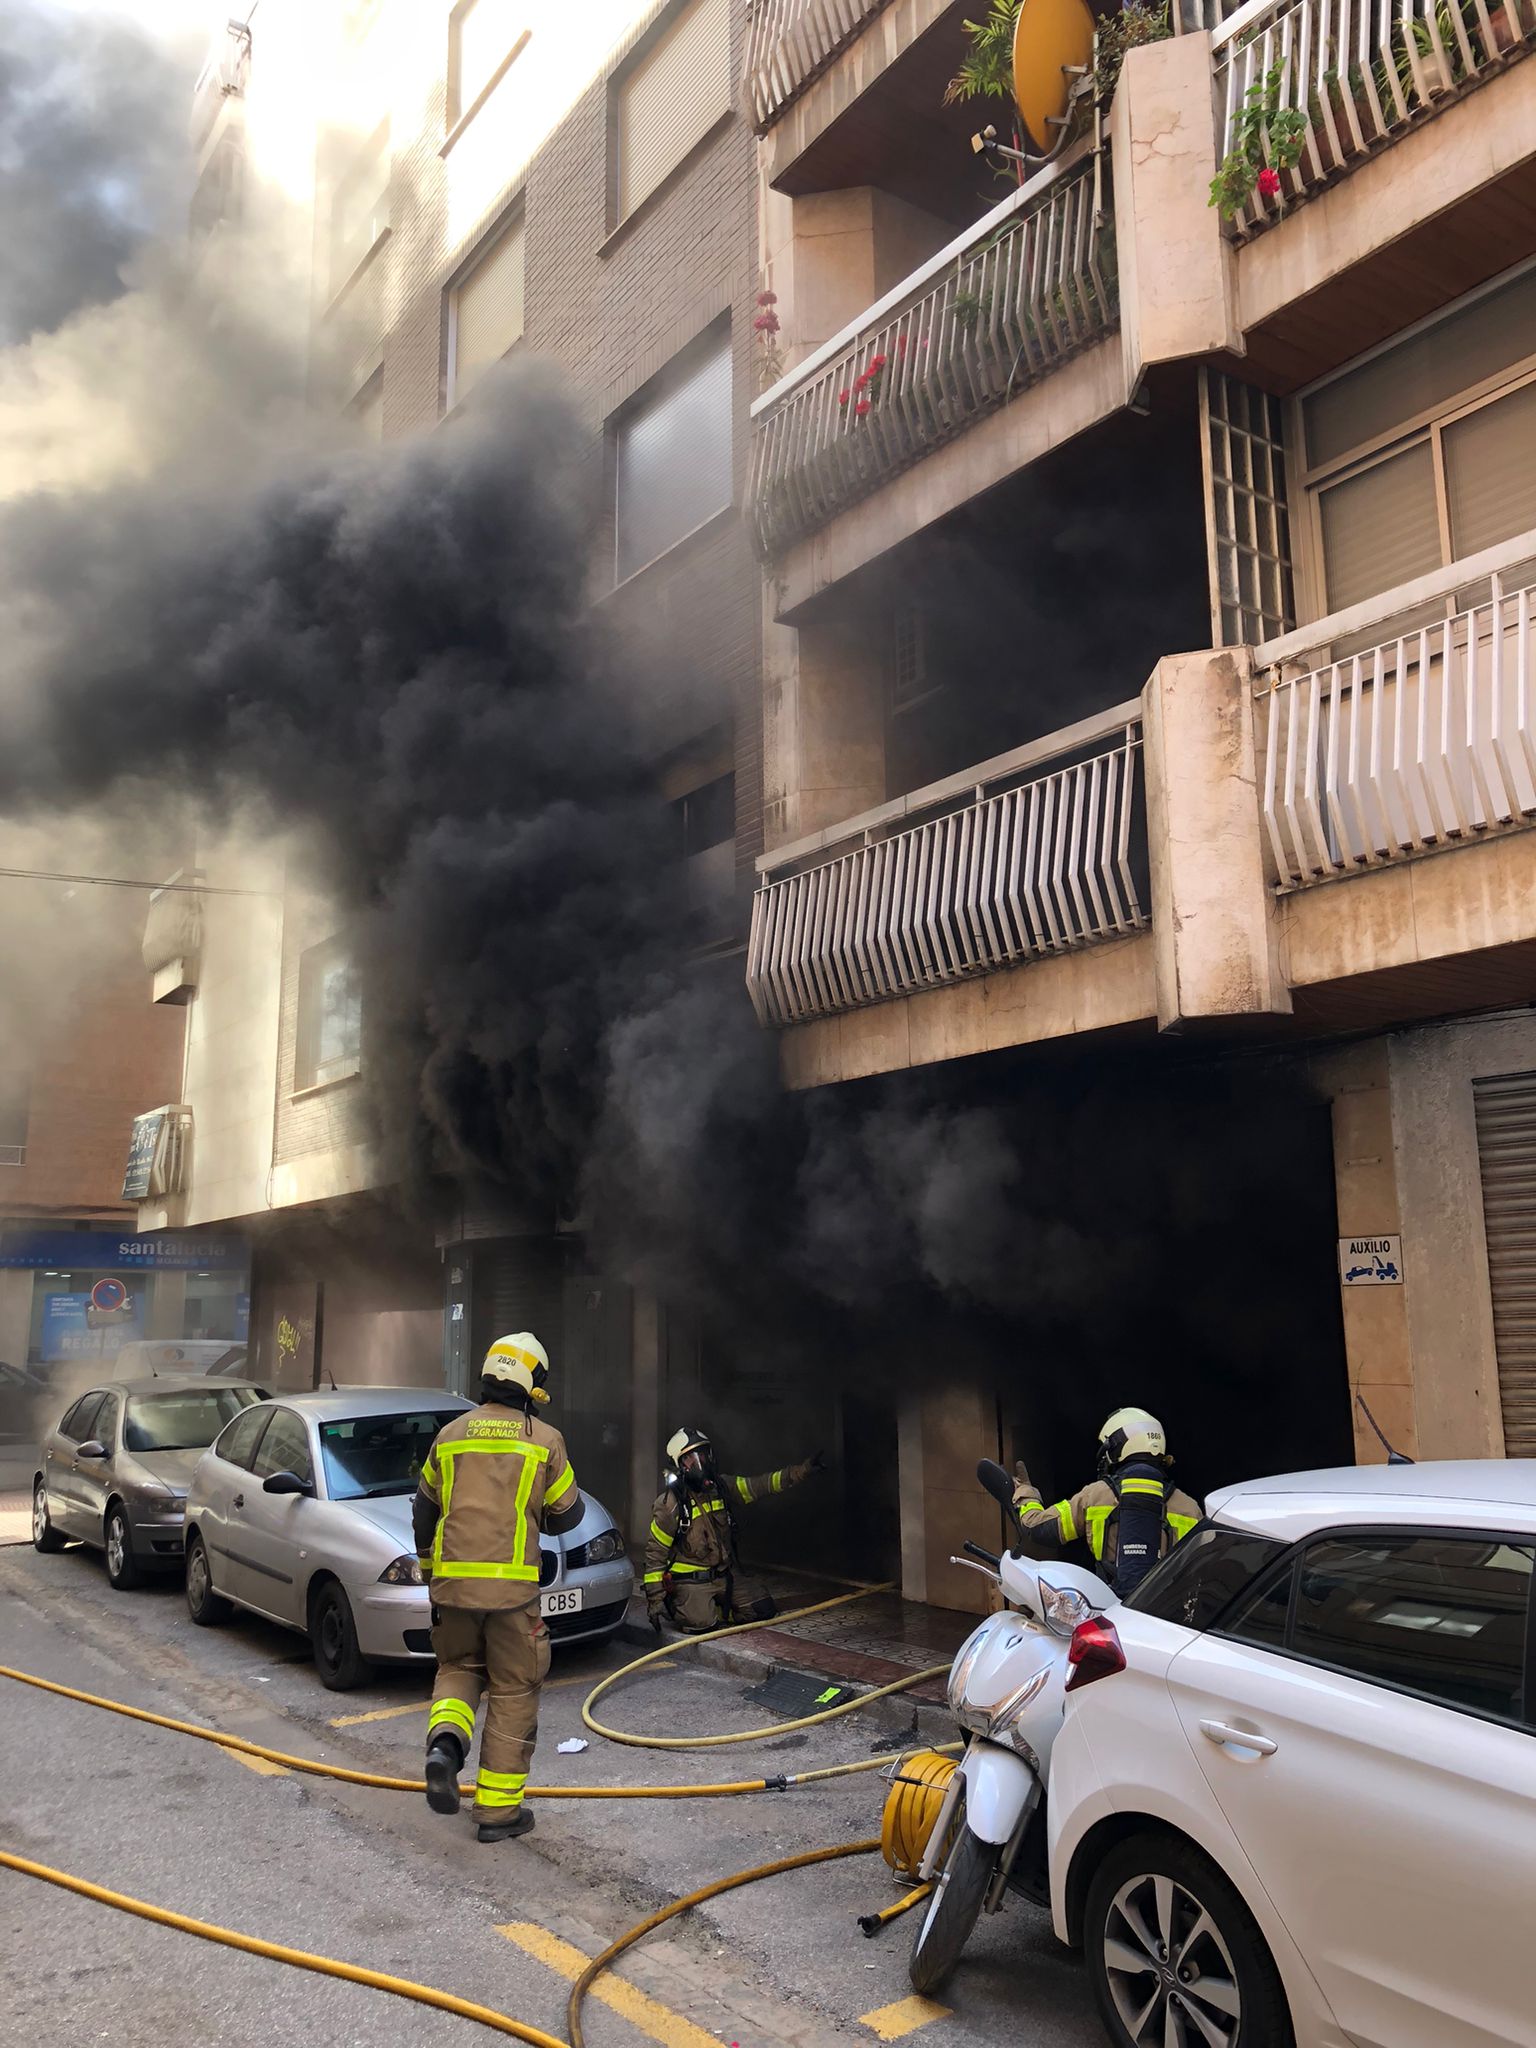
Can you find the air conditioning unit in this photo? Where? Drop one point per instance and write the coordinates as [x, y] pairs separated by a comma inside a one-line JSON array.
[[160, 1154]]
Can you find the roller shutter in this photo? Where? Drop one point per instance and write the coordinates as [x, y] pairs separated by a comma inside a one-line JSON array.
[[1506, 1143], [518, 1285], [672, 97]]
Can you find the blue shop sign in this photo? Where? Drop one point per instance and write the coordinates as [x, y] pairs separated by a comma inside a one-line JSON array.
[[94, 1251]]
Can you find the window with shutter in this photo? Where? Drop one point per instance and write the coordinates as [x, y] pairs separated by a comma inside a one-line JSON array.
[[486, 313], [483, 35], [671, 97], [673, 458], [1425, 452]]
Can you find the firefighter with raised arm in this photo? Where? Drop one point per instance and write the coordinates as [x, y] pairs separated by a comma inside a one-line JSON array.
[[492, 1480], [690, 1567], [1130, 1516]]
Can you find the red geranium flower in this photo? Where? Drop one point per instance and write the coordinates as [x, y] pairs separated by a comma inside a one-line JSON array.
[[767, 298], [843, 397], [876, 363], [1269, 183], [862, 406], [767, 323]]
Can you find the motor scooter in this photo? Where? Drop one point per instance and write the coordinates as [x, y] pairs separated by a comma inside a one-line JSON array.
[[1007, 1689]]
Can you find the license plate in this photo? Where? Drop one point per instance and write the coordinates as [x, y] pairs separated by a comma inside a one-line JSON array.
[[561, 1603]]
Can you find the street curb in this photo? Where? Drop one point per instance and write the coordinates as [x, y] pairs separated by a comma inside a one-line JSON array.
[[926, 1720]]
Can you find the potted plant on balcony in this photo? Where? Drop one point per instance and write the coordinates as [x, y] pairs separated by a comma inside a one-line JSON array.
[[1266, 139], [987, 72]]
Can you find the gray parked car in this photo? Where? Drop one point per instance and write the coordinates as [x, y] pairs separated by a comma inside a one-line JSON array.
[[301, 1512], [114, 1472]]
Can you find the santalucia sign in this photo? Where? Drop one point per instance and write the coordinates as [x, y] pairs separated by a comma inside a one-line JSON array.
[[87, 1251]]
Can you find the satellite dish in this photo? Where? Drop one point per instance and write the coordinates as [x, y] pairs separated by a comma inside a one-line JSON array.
[[1051, 39]]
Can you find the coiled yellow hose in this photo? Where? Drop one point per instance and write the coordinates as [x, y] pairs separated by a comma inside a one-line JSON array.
[[912, 1807]]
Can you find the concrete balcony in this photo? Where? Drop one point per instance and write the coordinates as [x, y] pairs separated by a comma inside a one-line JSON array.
[[1007, 865], [1361, 72], [1423, 740], [791, 42], [1028, 288]]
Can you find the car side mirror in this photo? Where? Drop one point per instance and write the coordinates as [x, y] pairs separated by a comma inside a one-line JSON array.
[[92, 1449], [286, 1482]]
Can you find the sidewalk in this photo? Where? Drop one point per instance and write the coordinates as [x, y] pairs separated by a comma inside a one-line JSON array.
[[873, 1641]]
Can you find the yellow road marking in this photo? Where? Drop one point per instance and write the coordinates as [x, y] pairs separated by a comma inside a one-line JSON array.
[[381, 1714], [627, 2000], [891, 2022], [259, 1764]]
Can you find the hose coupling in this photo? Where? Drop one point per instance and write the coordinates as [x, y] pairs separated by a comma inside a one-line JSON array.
[[776, 1784]]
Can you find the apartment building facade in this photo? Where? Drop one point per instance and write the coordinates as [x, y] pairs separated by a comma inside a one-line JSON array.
[[1147, 656], [487, 179]]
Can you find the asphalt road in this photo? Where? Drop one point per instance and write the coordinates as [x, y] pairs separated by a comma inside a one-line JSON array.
[[375, 1878]]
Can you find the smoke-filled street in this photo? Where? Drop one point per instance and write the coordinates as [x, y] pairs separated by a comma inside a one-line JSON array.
[[767, 904], [373, 1878]]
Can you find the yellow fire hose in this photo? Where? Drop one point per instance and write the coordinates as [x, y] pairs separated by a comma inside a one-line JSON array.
[[916, 1792], [742, 1628], [302, 1959]]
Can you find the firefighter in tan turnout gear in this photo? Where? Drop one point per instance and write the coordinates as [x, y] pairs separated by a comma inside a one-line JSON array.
[[1130, 1516], [690, 1553], [492, 1480]]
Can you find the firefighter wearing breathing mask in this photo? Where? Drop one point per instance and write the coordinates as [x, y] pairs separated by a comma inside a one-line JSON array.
[[1130, 1516], [492, 1480], [690, 1554]]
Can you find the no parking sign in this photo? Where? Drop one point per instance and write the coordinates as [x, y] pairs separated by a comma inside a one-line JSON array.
[[108, 1296]]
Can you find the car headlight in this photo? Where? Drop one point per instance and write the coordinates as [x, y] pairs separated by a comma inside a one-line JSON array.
[[405, 1571], [602, 1549], [1064, 1608]]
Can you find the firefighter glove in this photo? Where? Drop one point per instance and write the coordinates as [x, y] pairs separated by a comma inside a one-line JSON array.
[[817, 1461]]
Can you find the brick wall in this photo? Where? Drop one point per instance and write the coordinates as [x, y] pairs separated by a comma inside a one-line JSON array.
[[611, 308], [114, 1054]]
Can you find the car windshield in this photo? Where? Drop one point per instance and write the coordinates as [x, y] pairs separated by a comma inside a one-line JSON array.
[[378, 1454], [185, 1421], [229, 1364]]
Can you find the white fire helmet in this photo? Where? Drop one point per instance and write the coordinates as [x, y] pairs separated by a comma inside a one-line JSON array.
[[520, 1361], [1131, 1433], [681, 1441]]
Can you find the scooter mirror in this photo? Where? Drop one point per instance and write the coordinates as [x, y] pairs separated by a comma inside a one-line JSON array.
[[996, 1482]]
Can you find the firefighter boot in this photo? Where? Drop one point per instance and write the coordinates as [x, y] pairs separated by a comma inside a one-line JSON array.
[[507, 1830], [445, 1759]]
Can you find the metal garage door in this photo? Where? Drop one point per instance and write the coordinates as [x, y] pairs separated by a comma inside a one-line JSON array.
[[1506, 1143]]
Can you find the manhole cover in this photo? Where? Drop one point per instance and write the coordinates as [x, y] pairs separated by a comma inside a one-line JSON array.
[[790, 1694]]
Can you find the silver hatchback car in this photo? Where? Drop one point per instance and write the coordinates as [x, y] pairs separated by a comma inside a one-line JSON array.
[[114, 1472], [301, 1512]]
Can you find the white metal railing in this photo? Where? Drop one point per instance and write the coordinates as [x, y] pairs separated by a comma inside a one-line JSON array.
[[1361, 71], [223, 76], [1425, 739], [790, 42], [1027, 287], [1031, 865]]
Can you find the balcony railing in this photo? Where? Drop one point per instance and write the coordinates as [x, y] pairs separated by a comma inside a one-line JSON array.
[[1031, 864], [223, 77], [1425, 739], [1361, 71], [1030, 285], [791, 42]]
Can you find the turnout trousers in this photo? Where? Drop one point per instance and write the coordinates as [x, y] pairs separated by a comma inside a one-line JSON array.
[[502, 1653], [700, 1601]]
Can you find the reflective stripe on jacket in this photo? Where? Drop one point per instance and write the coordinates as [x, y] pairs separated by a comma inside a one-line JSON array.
[[492, 1476], [704, 1544], [1088, 1516]]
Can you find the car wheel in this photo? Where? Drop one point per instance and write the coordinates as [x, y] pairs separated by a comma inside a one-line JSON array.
[[333, 1637], [44, 1535], [952, 1912], [206, 1607], [123, 1569], [1175, 1957]]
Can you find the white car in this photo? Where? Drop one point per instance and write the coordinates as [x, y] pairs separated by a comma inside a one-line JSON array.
[[301, 1511], [1293, 1803]]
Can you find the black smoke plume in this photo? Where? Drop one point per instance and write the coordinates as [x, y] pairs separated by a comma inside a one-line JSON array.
[[389, 657]]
